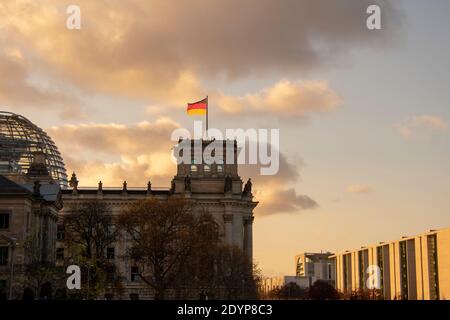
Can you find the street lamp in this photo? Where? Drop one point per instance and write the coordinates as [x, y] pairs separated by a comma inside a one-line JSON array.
[[13, 244]]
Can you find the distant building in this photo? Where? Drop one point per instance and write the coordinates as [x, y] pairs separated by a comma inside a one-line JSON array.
[[411, 268], [29, 206], [316, 266], [273, 283], [309, 267]]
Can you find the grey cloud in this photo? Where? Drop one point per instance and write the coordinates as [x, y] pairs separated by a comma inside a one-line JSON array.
[[146, 48]]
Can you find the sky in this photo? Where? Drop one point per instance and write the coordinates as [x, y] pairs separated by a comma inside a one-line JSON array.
[[363, 114]]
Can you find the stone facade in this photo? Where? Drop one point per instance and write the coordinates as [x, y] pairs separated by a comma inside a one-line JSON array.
[[29, 206], [216, 189]]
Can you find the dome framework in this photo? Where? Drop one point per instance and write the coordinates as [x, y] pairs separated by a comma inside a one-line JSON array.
[[20, 139]]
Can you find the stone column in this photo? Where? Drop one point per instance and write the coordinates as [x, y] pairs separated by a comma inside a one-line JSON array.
[[248, 236], [238, 230], [228, 223]]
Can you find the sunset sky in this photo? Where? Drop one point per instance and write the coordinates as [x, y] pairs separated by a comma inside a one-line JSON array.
[[364, 115]]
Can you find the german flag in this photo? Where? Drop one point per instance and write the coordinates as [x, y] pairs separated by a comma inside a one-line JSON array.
[[198, 108]]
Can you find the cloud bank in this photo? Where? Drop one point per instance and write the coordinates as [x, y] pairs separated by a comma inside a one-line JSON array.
[[409, 127], [359, 189], [284, 98], [138, 153], [169, 51]]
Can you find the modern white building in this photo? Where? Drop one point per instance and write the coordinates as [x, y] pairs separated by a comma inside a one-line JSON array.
[[411, 268], [317, 266], [309, 267]]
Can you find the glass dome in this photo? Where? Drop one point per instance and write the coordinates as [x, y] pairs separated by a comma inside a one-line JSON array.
[[19, 139]]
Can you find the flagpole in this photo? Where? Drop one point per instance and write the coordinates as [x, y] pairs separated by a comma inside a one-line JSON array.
[[207, 107]]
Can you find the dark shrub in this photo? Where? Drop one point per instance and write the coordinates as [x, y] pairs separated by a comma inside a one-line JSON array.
[[322, 290]]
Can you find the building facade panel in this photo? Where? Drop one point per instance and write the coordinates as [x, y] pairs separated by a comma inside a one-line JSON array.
[[443, 260], [412, 268]]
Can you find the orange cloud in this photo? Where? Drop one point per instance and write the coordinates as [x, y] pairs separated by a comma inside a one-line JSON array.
[[115, 152], [276, 193], [136, 171], [115, 138], [168, 51], [408, 127], [285, 98], [137, 153], [359, 188], [16, 89]]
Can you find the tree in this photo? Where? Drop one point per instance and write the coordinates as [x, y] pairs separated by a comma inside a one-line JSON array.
[[219, 271], [39, 273], [89, 231], [322, 290], [180, 251], [289, 291], [236, 274], [367, 294], [90, 225], [197, 276], [163, 234]]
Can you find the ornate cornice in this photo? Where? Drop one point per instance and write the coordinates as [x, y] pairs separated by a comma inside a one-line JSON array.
[[227, 218]]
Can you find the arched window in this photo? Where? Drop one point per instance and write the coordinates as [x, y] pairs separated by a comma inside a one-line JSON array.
[[210, 230]]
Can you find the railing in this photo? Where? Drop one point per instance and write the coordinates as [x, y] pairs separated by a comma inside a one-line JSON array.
[[120, 188]]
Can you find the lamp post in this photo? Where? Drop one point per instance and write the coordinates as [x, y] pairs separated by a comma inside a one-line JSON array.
[[12, 243]]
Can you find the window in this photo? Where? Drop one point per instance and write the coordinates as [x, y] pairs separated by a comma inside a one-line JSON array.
[[363, 263], [4, 256], [110, 273], [347, 276], [134, 274], [380, 263], [111, 231], [110, 253], [59, 253], [28, 221], [134, 296], [219, 168], [361, 270], [136, 232], [194, 168], [4, 220], [209, 230], [403, 270], [433, 267], [330, 275], [3, 291], [206, 168], [300, 270], [109, 296], [61, 233]]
